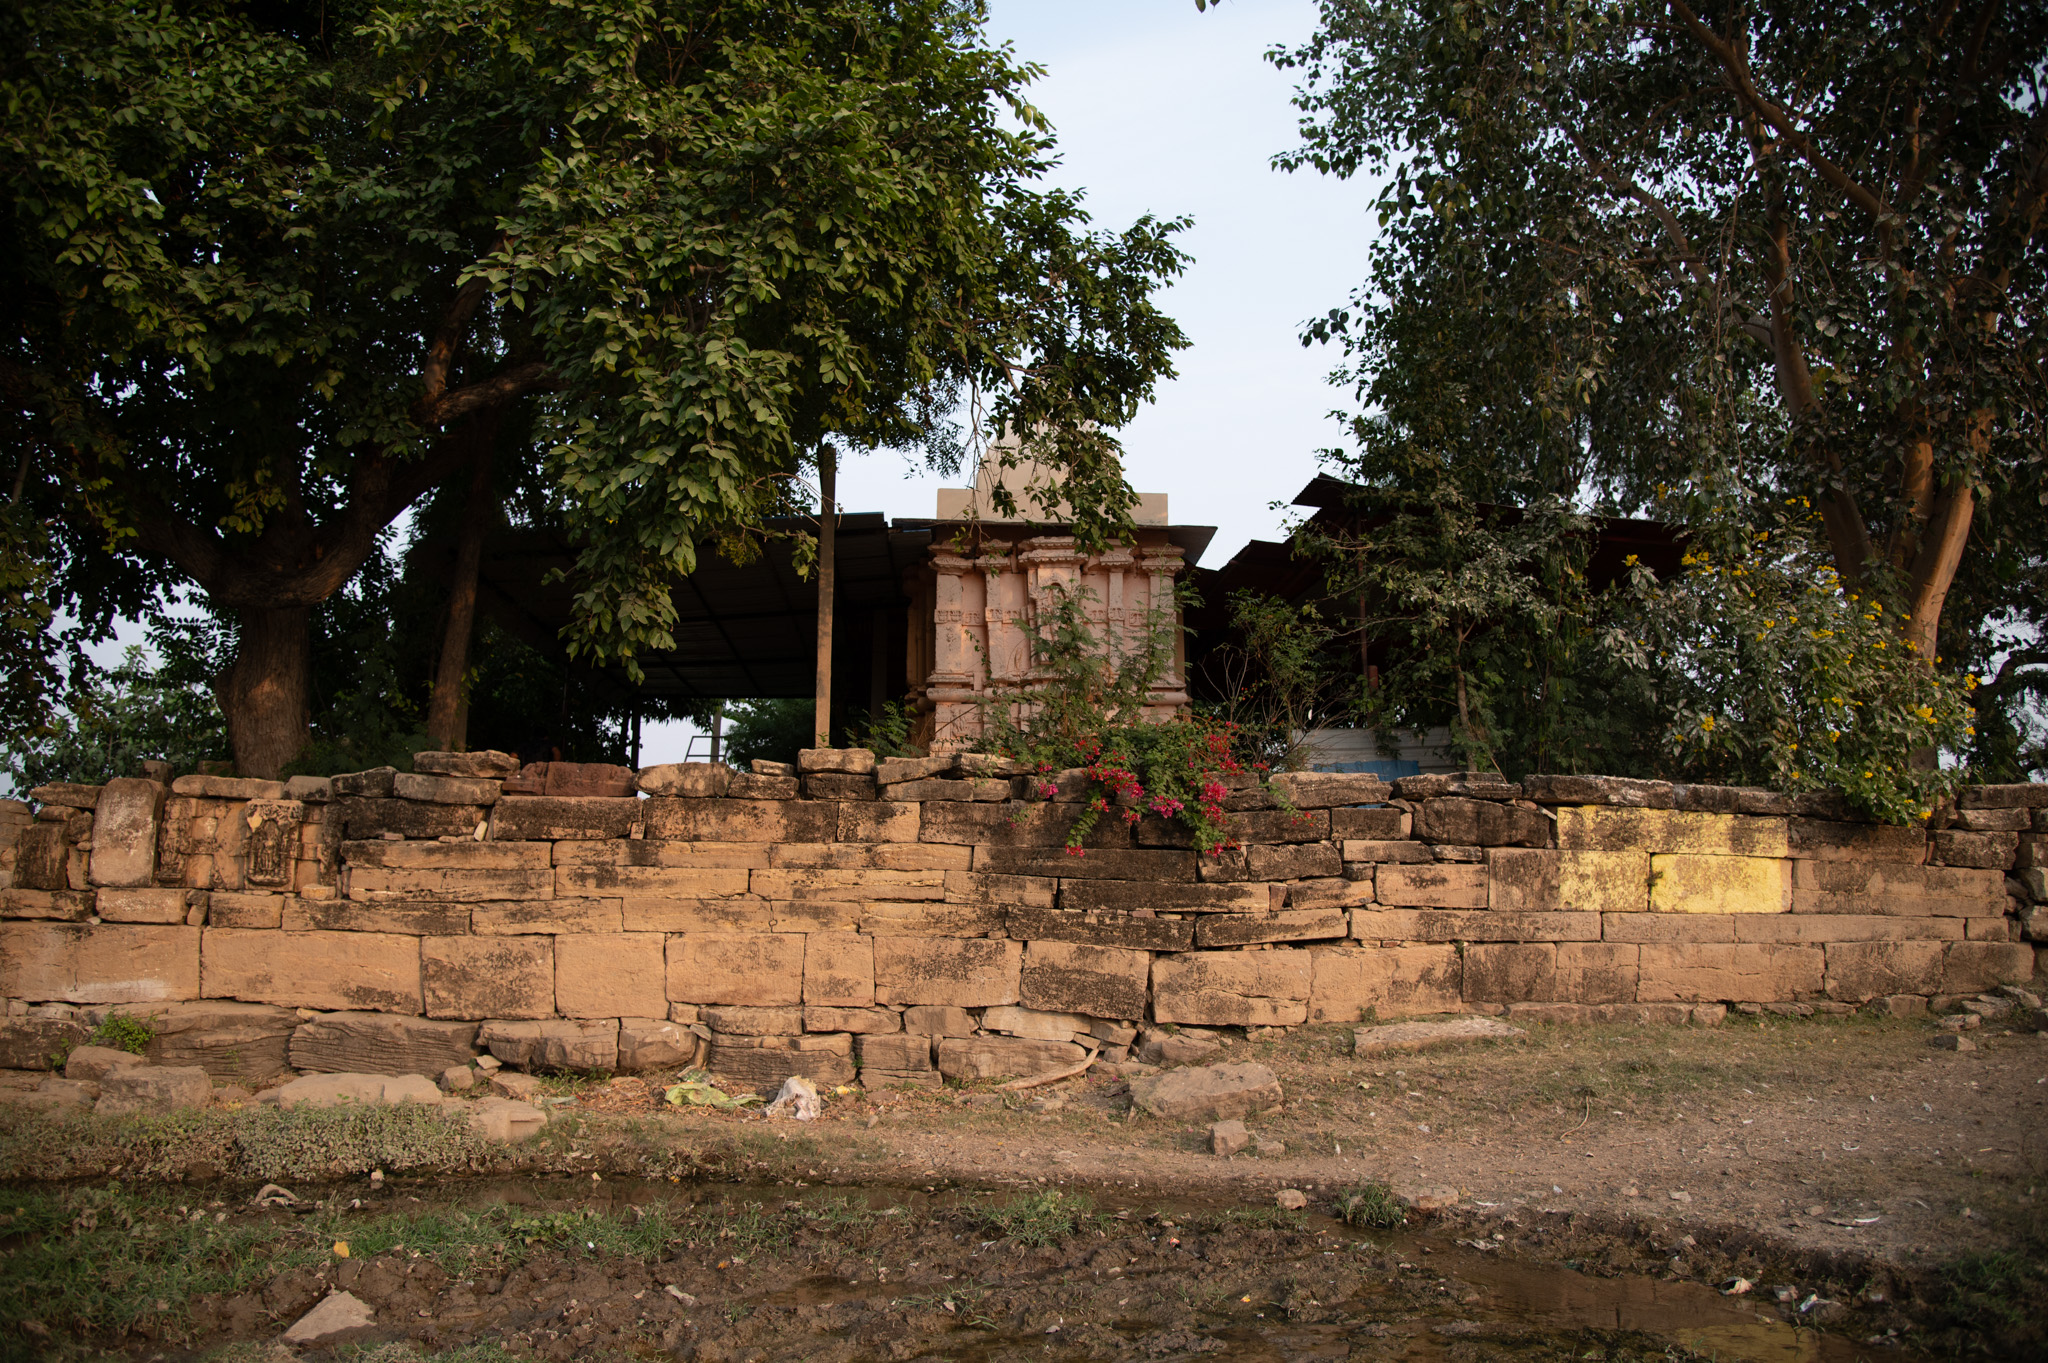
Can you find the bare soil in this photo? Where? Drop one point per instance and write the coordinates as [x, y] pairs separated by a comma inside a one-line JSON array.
[[1583, 1192], [1908, 1153]]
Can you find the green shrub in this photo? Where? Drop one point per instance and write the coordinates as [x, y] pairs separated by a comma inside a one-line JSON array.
[[123, 1033], [1371, 1206]]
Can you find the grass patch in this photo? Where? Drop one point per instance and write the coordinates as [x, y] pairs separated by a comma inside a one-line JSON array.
[[1997, 1295], [1038, 1219], [99, 1259], [1370, 1206], [103, 1258]]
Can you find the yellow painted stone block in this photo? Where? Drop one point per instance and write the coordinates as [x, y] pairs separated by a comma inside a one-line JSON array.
[[1606, 882], [1686, 883], [1602, 828]]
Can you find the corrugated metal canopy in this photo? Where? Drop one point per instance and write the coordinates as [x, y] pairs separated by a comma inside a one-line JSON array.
[[741, 630]]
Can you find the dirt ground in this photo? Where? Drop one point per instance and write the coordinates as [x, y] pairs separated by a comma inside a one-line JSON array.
[[1835, 1135], [1583, 1191]]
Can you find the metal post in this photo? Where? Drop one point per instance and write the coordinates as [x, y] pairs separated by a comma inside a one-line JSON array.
[[717, 731], [828, 516]]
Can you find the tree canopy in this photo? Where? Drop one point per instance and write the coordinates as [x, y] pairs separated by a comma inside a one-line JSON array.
[[276, 272], [1704, 261]]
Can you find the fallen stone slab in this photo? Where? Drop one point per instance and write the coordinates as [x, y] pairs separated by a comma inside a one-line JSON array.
[[152, 1089], [336, 1315], [358, 1043], [506, 1121], [1213, 1093], [96, 1062], [335, 1090], [1157, 1047], [243, 1042], [1415, 1036]]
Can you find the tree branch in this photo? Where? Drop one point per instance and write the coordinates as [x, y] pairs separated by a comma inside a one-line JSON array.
[[534, 375], [1626, 185], [1783, 123]]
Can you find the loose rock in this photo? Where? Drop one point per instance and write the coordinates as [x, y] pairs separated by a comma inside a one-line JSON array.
[[1211, 1092], [96, 1062], [1291, 1199], [153, 1089], [506, 1121], [337, 1314], [1227, 1138], [1414, 1036]]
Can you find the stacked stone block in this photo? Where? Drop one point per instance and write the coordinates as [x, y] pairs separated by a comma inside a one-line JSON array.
[[907, 919]]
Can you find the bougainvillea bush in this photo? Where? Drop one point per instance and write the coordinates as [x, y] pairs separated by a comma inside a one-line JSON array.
[[1086, 711]]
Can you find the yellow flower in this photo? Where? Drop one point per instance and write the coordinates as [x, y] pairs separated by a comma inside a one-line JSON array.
[[1926, 712], [1707, 723], [1866, 776]]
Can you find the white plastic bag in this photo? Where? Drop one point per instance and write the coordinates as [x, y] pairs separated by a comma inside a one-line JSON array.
[[798, 1099]]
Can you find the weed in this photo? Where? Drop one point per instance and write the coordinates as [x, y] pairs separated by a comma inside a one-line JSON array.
[[1038, 1219], [1243, 1218], [1371, 1206], [122, 1032], [408, 1353], [1989, 1293], [569, 1083]]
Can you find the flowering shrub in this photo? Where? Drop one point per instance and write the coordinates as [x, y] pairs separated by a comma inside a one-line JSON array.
[[1773, 671], [1087, 710]]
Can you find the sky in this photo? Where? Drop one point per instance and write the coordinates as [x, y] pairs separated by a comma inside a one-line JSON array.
[[1161, 109]]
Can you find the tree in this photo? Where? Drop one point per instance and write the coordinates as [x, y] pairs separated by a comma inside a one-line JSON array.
[[273, 274], [1689, 260]]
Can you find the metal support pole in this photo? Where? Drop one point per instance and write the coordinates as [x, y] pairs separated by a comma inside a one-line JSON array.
[[828, 517]]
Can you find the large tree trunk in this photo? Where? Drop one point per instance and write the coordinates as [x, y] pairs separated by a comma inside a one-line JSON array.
[[263, 692], [447, 716]]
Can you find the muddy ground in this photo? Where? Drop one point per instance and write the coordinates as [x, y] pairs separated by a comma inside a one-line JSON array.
[[1889, 1192]]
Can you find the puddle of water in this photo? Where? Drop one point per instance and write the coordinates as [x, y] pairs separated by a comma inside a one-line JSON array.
[[1503, 1299]]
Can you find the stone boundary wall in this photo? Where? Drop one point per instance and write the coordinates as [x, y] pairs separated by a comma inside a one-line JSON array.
[[910, 917]]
